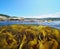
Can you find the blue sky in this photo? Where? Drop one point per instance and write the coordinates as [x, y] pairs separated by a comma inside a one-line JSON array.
[[29, 7]]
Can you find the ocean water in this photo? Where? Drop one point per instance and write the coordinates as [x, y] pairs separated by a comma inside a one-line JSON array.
[[55, 24]]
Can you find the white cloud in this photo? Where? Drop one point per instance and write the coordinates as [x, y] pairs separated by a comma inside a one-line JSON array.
[[55, 15]]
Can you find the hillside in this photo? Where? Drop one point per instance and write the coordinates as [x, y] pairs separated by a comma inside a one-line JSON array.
[[4, 15]]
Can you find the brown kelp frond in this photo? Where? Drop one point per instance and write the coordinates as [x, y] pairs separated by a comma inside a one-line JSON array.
[[29, 37]]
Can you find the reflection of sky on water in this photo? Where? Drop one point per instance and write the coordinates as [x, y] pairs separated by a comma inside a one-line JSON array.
[[55, 24]]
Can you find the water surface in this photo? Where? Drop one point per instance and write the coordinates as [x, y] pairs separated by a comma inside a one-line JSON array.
[[55, 24]]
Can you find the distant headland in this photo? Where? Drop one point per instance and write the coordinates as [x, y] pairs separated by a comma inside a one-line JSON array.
[[4, 17]]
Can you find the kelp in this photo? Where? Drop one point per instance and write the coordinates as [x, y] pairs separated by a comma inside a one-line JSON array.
[[29, 37]]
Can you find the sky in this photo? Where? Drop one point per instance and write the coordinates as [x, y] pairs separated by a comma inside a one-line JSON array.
[[30, 8]]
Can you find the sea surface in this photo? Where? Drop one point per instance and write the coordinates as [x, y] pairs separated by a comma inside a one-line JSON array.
[[55, 24]]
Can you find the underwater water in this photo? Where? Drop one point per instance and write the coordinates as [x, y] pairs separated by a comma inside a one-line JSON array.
[[19, 36]]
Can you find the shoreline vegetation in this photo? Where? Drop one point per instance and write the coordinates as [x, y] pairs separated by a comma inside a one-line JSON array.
[[29, 37]]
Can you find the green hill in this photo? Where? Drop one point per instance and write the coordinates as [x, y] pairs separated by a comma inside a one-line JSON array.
[[5, 15]]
